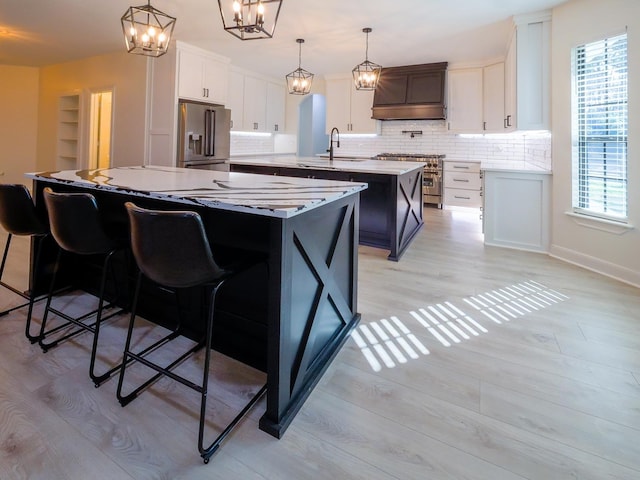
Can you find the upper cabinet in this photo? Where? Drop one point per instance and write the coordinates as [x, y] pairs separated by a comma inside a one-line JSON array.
[[532, 44], [276, 102], [493, 98], [202, 75], [465, 110], [257, 104], [348, 109], [476, 99], [509, 95]]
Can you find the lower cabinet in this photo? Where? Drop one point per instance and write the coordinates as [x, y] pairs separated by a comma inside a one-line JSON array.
[[462, 184], [517, 208]]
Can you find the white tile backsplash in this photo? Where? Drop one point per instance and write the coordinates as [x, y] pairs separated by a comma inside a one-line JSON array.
[[524, 150]]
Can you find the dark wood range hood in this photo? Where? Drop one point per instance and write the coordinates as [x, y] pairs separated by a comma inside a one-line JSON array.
[[413, 92]]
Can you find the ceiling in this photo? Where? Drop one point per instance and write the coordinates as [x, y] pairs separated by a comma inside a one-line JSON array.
[[39, 33]]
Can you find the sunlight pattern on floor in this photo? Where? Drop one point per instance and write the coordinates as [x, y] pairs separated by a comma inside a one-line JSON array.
[[389, 343]]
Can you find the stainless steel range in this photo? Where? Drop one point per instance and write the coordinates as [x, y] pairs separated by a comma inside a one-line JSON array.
[[432, 177]]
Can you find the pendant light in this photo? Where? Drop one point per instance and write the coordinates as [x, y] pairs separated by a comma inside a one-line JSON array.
[[147, 30], [250, 19], [299, 81], [366, 74]]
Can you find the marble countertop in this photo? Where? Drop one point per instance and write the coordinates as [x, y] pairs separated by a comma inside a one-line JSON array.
[[356, 165], [265, 195]]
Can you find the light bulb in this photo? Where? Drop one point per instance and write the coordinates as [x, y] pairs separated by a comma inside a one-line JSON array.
[[237, 16], [151, 31]]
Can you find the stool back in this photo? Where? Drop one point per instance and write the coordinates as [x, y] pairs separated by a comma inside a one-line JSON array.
[[171, 247], [75, 223], [17, 211]]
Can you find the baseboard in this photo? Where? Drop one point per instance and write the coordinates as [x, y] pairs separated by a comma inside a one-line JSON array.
[[597, 265]]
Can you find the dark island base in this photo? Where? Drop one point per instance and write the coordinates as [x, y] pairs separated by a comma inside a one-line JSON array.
[[288, 316], [390, 208]]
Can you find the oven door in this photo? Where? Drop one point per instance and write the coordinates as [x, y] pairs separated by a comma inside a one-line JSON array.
[[432, 186]]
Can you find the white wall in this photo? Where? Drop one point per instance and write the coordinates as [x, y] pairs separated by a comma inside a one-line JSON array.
[[125, 74], [18, 122], [614, 252]]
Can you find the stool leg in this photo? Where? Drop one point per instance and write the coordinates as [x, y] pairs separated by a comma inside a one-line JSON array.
[[99, 379], [32, 299], [48, 304], [125, 356]]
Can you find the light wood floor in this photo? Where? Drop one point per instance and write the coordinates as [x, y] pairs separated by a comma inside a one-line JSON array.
[[542, 383]]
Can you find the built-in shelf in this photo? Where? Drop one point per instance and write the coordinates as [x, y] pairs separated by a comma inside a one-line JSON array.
[[68, 128]]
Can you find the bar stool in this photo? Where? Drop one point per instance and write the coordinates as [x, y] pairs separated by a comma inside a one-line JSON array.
[[155, 236], [76, 227], [18, 217]]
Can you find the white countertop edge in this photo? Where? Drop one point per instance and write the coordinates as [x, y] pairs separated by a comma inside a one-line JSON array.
[[516, 170], [366, 165]]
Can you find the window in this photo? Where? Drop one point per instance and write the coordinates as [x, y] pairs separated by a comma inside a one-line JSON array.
[[599, 105]]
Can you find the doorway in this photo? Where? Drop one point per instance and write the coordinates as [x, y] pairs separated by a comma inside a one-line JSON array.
[[100, 129]]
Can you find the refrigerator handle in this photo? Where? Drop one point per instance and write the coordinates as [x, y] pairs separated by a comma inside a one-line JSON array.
[[209, 132]]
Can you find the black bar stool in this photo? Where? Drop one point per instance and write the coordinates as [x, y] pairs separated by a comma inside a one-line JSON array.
[[18, 217], [75, 225], [171, 249]]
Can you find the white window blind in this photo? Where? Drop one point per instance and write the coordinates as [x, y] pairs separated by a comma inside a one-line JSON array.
[[600, 128]]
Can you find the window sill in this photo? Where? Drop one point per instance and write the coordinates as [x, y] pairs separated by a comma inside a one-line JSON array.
[[604, 225]]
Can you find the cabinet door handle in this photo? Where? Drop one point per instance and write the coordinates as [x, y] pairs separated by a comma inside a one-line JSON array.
[[484, 125], [509, 121], [255, 125], [275, 127], [505, 123]]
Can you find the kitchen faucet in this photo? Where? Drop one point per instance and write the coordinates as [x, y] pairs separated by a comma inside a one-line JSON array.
[[334, 129]]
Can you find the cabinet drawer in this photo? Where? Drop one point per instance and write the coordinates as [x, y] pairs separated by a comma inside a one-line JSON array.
[[455, 197], [462, 166], [466, 180]]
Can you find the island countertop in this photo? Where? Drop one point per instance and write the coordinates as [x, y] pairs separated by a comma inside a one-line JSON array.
[[281, 197], [357, 165]]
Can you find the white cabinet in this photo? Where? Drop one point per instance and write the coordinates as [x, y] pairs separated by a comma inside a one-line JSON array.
[[276, 100], [254, 104], [462, 184], [527, 78], [493, 98], [202, 75], [349, 109], [257, 104], [236, 99], [465, 109], [510, 75], [517, 209], [476, 99]]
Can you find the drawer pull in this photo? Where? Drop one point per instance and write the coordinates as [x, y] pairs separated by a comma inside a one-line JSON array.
[[461, 166], [461, 198], [460, 180]]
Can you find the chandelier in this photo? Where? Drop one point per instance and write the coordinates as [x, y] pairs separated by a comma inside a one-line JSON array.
[[366, 74], [147, 30], [250, 19], [299, 81]]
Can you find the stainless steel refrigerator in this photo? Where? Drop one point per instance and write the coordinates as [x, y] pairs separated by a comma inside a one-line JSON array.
[[203, 136]]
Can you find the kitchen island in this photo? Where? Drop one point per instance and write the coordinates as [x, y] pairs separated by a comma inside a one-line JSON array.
[[288, 318], [390, 208]]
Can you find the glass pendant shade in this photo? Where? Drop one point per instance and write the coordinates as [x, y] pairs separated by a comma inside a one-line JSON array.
[[299, 81], [366, 74], [147, 30], [250, 19]]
